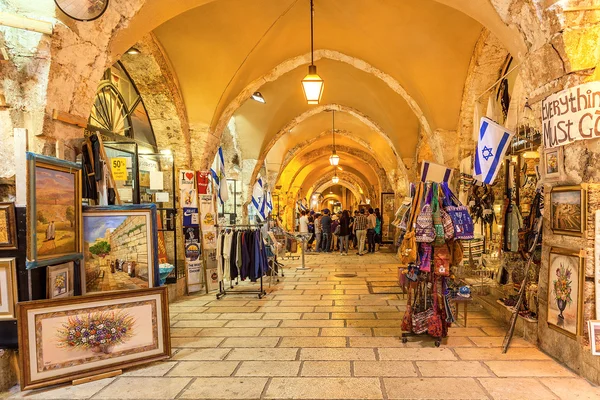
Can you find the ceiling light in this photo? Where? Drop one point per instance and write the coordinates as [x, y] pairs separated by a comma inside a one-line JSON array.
[[166, 152], [335, 179], [258, 97], [334, 159], [133, 51], [312, 84], [340, 168], [531, 154]]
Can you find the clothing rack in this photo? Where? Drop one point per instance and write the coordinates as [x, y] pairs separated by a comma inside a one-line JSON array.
[[222, 287]]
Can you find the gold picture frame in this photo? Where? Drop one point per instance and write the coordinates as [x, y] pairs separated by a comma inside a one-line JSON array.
[[566, 274], [8, 227], [553, 163], [60, 280], [62, 340], [8, 288], [568, 210], [53, 211]]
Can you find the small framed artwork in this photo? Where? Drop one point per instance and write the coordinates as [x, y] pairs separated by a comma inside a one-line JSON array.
[[566, 272], [8, 288], [553, 163], [121, 248], [8, 227], [61, 340], [568, 210], [594, 329], [53, 211], [60, 280]]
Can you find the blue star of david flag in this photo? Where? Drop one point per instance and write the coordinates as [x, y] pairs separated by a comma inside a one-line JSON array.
[[492, 143], [258, 198]]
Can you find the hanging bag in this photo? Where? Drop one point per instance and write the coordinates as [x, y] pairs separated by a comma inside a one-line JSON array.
[[434, 323], [437, 218], [406, 325], [442, 259], [424, 230], [408, 249], [425, 257], [420, 318], [459, 214]]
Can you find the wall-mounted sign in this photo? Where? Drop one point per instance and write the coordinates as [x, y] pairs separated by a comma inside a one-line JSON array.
[[119, 168], [571, 115]]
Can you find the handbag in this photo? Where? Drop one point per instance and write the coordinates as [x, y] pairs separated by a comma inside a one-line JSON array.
[[419, 319], [408, 249], [434, 323], [424, 230], [337, 230], [441, 261], [457, 253], [413, 272], [440, 236], [459, 214], [425, 257]]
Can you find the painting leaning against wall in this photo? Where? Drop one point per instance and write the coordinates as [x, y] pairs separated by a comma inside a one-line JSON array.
[[120, 248]]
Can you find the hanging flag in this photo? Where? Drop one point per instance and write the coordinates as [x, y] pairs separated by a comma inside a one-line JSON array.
[[492, 144], [218, 173], [258, 197], [269, 203]]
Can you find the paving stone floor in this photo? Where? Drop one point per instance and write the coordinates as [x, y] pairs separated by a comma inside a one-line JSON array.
[[318, 336]]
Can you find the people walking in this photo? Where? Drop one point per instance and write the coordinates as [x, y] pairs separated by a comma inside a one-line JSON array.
[[353, 237], [378, 229], [311, 229], [371, 223], [344, 232], [318, 232], [326, 231], [360, 230]]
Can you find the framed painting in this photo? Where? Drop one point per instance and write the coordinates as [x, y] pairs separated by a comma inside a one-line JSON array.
[[60, 280], [553, 163], [61, 340], [8, 227], [120, 248], [53, 211], [388, 211], [594, 329], [8, 288], [568, 210], [566, 272]]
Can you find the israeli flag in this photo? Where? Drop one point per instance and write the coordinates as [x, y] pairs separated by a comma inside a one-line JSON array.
[[258, 198], [219, 176], [269, 203], [492, 144]]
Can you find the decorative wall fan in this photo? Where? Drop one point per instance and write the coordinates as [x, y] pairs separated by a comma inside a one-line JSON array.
[[82, 10]]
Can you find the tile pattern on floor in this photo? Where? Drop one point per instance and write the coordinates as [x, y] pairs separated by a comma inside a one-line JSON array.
[[318, 336]]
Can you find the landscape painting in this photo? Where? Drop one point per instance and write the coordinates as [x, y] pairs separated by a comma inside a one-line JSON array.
[[63, 339], [54, 210], [568, 210], [119, 248], [565, 271]]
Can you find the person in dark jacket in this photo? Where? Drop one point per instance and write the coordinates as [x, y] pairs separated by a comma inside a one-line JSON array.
[[326, 231], [344, 233]]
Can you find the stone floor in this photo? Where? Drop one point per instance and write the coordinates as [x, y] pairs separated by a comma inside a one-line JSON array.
[[318, 336]]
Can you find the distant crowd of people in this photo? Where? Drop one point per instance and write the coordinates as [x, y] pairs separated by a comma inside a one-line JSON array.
[[337, 232]]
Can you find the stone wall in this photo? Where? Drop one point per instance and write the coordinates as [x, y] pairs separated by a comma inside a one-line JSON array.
[[130, 242]]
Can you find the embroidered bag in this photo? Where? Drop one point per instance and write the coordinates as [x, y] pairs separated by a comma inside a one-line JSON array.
[[463, 223], [437, 218], [425, 257], [421, 313], [408, 249], [406, 325], [425, 232], [434, 323], [441, 260]]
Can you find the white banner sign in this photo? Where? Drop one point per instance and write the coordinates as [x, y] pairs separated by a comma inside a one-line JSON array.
[[572, 114]]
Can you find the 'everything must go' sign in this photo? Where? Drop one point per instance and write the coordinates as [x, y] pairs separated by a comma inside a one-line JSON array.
[[572, 114]]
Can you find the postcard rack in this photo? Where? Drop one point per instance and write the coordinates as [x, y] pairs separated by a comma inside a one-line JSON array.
[[222, 286]]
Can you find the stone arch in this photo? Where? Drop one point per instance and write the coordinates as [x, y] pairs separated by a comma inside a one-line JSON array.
[[348, 185], [344, 177]]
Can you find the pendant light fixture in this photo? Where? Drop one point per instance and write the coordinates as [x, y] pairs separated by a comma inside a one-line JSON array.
[[334, 159], [335, 179], [312, 84]]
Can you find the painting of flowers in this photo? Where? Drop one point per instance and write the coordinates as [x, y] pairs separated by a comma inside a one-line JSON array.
[[60, 280], [565, 271]]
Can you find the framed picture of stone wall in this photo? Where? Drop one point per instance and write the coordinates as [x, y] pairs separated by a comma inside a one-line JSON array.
[[8, 288], [60, 280], [8, 227], [61, 340], [53, 211], [568, 210], [566, 270], [120, 248], [553, 163]]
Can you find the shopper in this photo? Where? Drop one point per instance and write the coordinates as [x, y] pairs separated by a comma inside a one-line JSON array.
[[354, 239], [344, 232], [378, 229], [311, 229], [326, 231], [371, 223], [360, 230], [318, 232], [335, 222], [303, 222]]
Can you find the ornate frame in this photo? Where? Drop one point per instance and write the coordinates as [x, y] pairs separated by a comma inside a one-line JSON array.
[[29, 315], [34, 161], [580, 280], [583, 209], [559, 154], [12, 296], [11, 225]]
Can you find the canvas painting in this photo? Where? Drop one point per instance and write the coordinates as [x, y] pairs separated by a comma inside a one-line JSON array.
[[594, 329], [120, 248], [62, 339], [54, 210], [8, 288], [60, 282], [565, 272], [568, 210], [552, 163], [8, 231]]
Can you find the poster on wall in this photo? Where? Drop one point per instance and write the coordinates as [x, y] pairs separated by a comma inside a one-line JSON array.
[[190, 217], [570, 115], [189, 198], [208, 221], [193, 259], [212, 278], [186, 179]]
